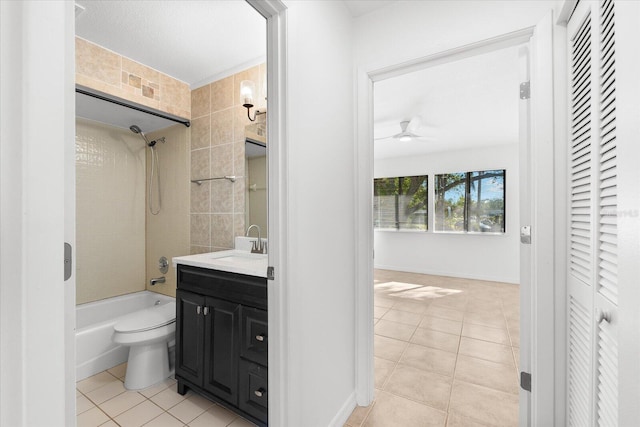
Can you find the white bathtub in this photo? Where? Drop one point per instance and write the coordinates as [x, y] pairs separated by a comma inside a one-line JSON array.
[[95, 351]]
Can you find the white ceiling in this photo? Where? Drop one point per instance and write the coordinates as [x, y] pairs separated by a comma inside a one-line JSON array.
[[193, 41], [362, 7], [470, 103]]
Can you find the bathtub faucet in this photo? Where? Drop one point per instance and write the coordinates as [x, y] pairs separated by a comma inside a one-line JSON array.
[[157, 280]]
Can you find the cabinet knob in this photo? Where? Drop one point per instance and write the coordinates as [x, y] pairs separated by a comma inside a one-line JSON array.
[[206, 311], [198, 310], [260, 337], [260, 392]]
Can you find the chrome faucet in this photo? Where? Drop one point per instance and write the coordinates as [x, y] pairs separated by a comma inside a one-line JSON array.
[[258, 247], [157, 280]]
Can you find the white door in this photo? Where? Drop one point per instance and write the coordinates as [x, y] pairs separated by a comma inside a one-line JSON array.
[[592, 277]]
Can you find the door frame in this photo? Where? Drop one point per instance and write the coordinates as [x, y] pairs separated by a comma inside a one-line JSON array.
[[275, 12], [541, 164]]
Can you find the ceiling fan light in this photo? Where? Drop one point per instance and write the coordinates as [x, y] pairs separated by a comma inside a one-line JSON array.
[[405, 138]]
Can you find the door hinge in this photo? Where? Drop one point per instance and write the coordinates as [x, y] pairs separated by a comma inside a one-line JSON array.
[[525, 381], [525, 234], [68, 250], [525, 90], [270, 273]]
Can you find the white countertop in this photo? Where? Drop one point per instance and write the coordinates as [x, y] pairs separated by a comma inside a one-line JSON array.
[[233, 261]]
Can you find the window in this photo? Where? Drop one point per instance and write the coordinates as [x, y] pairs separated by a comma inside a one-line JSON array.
[[470, 201], [400, 203]]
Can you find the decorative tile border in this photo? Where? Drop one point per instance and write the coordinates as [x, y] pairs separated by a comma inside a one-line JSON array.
[[106, 71]]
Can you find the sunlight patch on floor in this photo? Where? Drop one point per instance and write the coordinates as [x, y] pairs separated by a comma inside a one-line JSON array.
[[414, 291]]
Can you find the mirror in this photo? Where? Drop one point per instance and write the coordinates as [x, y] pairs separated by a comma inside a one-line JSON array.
[[256, 184]]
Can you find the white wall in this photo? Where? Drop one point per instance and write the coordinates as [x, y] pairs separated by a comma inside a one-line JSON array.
[[321, 263], [408, 29], [477, 256]]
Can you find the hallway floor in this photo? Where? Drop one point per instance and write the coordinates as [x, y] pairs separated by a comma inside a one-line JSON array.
[[446, 353], [102, 400]]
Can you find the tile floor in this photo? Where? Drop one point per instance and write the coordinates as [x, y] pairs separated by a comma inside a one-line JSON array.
[[446, 353], [102, 400]]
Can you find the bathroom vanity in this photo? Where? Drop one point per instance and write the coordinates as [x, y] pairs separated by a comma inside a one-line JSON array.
[[221, 330]]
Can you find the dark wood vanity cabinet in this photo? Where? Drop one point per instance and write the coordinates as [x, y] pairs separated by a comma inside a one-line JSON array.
[[221, 339]]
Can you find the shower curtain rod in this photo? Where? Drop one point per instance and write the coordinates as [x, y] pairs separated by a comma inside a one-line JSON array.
[[187, 123]]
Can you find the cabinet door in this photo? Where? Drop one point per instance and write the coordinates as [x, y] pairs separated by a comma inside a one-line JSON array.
[[222, 325], [189, 336], [253, 345]]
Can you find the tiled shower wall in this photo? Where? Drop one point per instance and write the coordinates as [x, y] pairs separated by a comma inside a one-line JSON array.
[[110, 211], [106, 71], [217, 149]]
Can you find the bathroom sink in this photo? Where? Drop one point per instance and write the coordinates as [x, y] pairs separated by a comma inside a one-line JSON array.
[[233, 261], [236, 258]]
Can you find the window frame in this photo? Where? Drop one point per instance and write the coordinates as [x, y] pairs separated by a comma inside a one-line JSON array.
[[467, 204], [397, 212]]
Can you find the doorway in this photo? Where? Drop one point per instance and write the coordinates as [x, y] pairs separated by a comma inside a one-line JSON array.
[[446, 214], [537, 154]]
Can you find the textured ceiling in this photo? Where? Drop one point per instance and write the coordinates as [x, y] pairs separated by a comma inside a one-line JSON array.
[[193, 41], [469, 103]]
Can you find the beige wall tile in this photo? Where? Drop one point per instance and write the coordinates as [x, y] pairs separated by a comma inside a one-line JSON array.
[[200, 250], [200, 164], [222, 196], [239, 225], [239, 196], [174, 93], [98, 63], [200, 230], [200, 132], [240, 121], [222, 127], [201, 197], [222, 94], [200, 99], [222, 160], [222, 230], [140, 70], [239, 161]]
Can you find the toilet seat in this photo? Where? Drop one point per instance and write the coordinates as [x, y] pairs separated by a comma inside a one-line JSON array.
[[147, 319]]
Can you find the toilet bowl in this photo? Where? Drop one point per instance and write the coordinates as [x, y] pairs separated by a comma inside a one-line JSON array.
[[147, 334]]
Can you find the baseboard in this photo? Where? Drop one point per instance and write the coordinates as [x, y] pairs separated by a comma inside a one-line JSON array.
[[503, 279], [345, 412]]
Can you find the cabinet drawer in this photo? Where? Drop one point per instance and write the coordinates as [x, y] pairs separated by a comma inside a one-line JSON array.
[[254, 338], [253, 390]]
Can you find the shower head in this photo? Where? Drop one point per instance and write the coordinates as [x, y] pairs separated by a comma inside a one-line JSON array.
[[136, 129]]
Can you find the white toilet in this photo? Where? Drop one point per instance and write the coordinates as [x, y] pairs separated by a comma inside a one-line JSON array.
[[147, 334]]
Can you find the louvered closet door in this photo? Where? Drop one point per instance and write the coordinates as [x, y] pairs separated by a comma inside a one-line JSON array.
[[592, 383]]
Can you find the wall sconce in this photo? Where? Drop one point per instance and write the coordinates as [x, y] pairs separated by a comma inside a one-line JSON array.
[[247, 90]]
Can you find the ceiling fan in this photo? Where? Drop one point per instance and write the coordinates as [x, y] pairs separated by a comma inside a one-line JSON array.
[[405, 134]]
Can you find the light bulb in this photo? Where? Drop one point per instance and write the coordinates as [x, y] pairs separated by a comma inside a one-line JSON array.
[[247, 89]]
